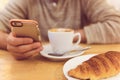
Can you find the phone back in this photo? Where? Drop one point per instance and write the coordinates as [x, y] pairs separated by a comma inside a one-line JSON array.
[[25, 28]]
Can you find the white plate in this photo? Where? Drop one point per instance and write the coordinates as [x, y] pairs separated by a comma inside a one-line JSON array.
[[74, 62], [47, 49]]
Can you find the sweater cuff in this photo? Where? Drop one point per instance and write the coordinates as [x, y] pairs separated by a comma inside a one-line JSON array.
[[93, 34]]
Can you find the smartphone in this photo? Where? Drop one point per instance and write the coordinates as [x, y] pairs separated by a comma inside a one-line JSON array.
[[25, 28]]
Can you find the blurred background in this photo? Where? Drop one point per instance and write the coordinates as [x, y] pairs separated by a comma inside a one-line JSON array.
[[2, 3], [115, 3]]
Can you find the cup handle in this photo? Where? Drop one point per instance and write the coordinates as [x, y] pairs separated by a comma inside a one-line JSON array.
[[79, 39]]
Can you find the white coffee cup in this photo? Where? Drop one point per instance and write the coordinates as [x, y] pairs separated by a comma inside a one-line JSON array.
[[61, 39]]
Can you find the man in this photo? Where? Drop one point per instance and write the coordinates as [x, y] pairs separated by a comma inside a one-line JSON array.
[[96, 21]]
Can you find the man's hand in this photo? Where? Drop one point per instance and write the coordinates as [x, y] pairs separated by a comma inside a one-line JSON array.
[[83, 37], [22, 48]]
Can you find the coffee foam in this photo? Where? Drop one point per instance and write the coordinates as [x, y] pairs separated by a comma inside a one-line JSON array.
[[60, 30]]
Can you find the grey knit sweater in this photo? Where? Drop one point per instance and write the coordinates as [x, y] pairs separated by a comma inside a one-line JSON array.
[[100, 21]]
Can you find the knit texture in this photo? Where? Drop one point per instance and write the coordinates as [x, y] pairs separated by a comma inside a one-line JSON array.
[[100, 21]]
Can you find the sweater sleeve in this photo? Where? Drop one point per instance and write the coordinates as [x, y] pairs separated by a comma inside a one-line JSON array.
[[104, 20], [14, 9]]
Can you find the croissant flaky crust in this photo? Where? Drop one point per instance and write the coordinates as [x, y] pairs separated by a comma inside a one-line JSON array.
[[98, 67]]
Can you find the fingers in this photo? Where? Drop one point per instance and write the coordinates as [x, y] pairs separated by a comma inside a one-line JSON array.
[[15, 41], [33, 52], [25, 51], [23, 48], [26, 55]]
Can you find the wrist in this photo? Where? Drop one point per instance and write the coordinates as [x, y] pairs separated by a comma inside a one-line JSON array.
[[3, 40]]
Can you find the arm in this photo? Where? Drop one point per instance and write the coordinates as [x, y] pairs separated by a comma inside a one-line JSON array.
[[104, 21], [14, 9], [20, 47]]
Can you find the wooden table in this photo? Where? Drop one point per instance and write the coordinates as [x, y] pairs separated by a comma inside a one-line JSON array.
[[40, 68]]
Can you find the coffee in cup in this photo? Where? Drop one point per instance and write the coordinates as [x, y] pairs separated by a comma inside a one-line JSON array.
[[61, 39]]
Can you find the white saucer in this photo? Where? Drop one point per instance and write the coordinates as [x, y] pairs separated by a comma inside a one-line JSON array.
[[74, 62], [47, 49]]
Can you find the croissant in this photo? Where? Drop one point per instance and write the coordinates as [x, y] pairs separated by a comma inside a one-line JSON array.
[[98, 67]]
